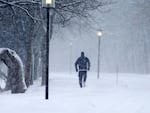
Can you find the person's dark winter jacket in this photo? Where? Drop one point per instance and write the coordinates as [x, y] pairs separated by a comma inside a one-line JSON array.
[[82, 63]]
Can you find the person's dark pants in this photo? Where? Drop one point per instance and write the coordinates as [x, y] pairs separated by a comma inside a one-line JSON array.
[[82, 77]]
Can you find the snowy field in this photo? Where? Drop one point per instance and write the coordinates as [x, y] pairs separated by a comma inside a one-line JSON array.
[[129, 94]]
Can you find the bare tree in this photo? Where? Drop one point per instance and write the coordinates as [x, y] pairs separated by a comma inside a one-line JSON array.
[[142, 22], [19, 14]]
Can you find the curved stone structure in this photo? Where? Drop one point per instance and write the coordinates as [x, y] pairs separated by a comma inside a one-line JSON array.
[[15, 80]]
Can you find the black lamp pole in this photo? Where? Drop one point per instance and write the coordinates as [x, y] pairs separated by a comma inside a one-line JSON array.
[[48, 4], [47, 56]]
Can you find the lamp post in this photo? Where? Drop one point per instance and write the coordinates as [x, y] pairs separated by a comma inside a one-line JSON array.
[[48, 4], [99, 34]]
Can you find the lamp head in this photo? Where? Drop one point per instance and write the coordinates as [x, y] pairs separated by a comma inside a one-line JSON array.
[[99, 33], [48, 3]]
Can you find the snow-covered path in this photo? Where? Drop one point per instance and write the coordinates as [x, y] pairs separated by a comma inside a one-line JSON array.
[[130, 95]]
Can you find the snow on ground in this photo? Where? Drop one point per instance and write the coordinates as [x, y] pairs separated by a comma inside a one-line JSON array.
[[131, 94]]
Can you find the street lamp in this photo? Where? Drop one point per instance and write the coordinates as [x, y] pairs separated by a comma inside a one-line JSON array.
[[99, 34], [48, 4]]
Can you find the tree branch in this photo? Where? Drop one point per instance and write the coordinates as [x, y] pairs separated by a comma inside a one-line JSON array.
[[15, 4]]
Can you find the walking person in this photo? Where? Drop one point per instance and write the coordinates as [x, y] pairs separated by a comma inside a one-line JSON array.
[[82, 65]]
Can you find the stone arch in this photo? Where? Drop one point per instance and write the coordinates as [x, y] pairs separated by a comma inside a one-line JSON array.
[[15, 79]]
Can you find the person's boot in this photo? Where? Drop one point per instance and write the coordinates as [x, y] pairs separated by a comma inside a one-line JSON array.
[[80, 85]]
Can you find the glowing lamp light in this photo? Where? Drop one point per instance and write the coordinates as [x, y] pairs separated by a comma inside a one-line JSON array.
[[48, 3], [99, 33]]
